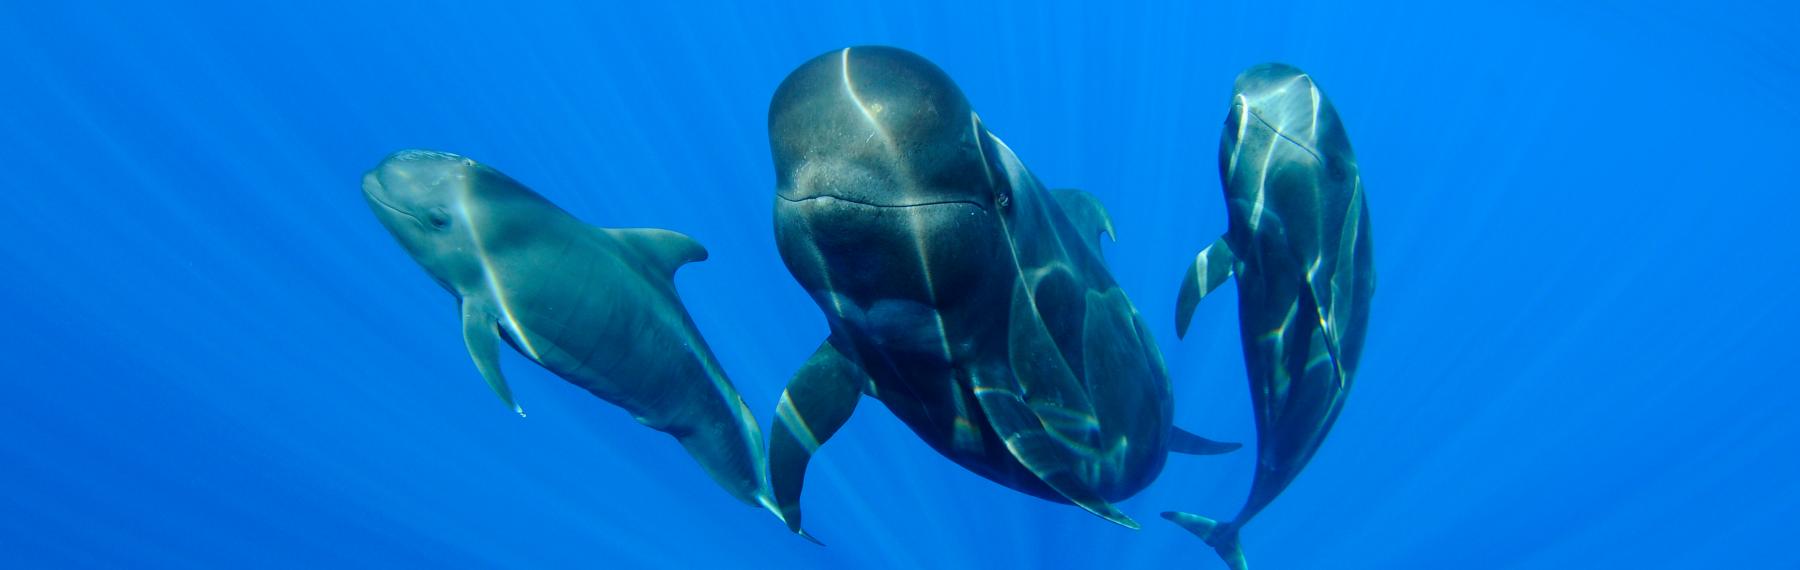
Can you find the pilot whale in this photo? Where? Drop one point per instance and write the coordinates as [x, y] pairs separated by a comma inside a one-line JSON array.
[[1298, 243], [596, 306], [961, 293]]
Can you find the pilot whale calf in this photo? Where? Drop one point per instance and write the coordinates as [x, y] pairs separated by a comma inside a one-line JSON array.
[[961, 293], [1298, 242], [596, 306]]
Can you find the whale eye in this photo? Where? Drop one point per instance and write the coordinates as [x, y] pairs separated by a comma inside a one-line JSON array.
[[438, 218]]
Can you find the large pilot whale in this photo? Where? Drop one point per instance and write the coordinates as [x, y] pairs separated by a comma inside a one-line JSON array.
[[961, 293], [597, 306], [1298, 241]]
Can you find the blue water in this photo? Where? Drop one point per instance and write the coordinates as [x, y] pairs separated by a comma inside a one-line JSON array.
[[1582, 353]]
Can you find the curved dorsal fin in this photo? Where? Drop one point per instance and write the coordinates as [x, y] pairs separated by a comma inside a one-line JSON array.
[[1086, 212], [665, 250]]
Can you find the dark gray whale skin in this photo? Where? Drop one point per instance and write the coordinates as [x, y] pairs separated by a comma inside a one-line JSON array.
[[1300, 247], [596, 306], [961, 293]]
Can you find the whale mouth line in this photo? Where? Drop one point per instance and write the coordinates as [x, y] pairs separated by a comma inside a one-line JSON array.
[[977, 205], [378, 201], [1284, 136]]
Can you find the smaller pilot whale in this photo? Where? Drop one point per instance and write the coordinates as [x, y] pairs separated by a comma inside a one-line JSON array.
[[596, 306], [1299, 244]]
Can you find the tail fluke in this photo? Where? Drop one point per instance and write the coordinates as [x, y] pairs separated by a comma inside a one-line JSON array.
[[1184, 441], [1223, 537]]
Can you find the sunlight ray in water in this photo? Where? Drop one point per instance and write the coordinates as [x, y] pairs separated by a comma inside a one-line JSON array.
[[221, 360]]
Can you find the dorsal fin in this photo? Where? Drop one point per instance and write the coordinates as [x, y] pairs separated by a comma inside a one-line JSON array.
[[664, 249], [1086, 212]]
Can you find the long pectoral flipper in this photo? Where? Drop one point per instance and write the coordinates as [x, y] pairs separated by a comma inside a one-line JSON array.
[[1314, 384], [482, 339], [1043, 379], [815, 404], [1043, 413], [1210, 269], [1344, 298], [1324, 346], [1046, 457], [1112, 343]]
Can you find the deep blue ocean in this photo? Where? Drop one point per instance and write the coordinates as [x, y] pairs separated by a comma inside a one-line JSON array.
[[1582, 353]]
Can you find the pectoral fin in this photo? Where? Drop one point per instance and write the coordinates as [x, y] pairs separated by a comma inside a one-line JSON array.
[[482, 336], [1046, 457], [1306, 390], [1043, 379], [817, 401], [1317, 384], [1042, 411], [1183, 441], [1111, 347], [1210, 269]]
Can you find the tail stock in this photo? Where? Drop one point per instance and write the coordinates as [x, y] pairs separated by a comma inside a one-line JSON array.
[[1223, 537]]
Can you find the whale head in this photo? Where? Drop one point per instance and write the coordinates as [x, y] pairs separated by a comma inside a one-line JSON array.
[[1278, 105], [449, 212], [885, 187]]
